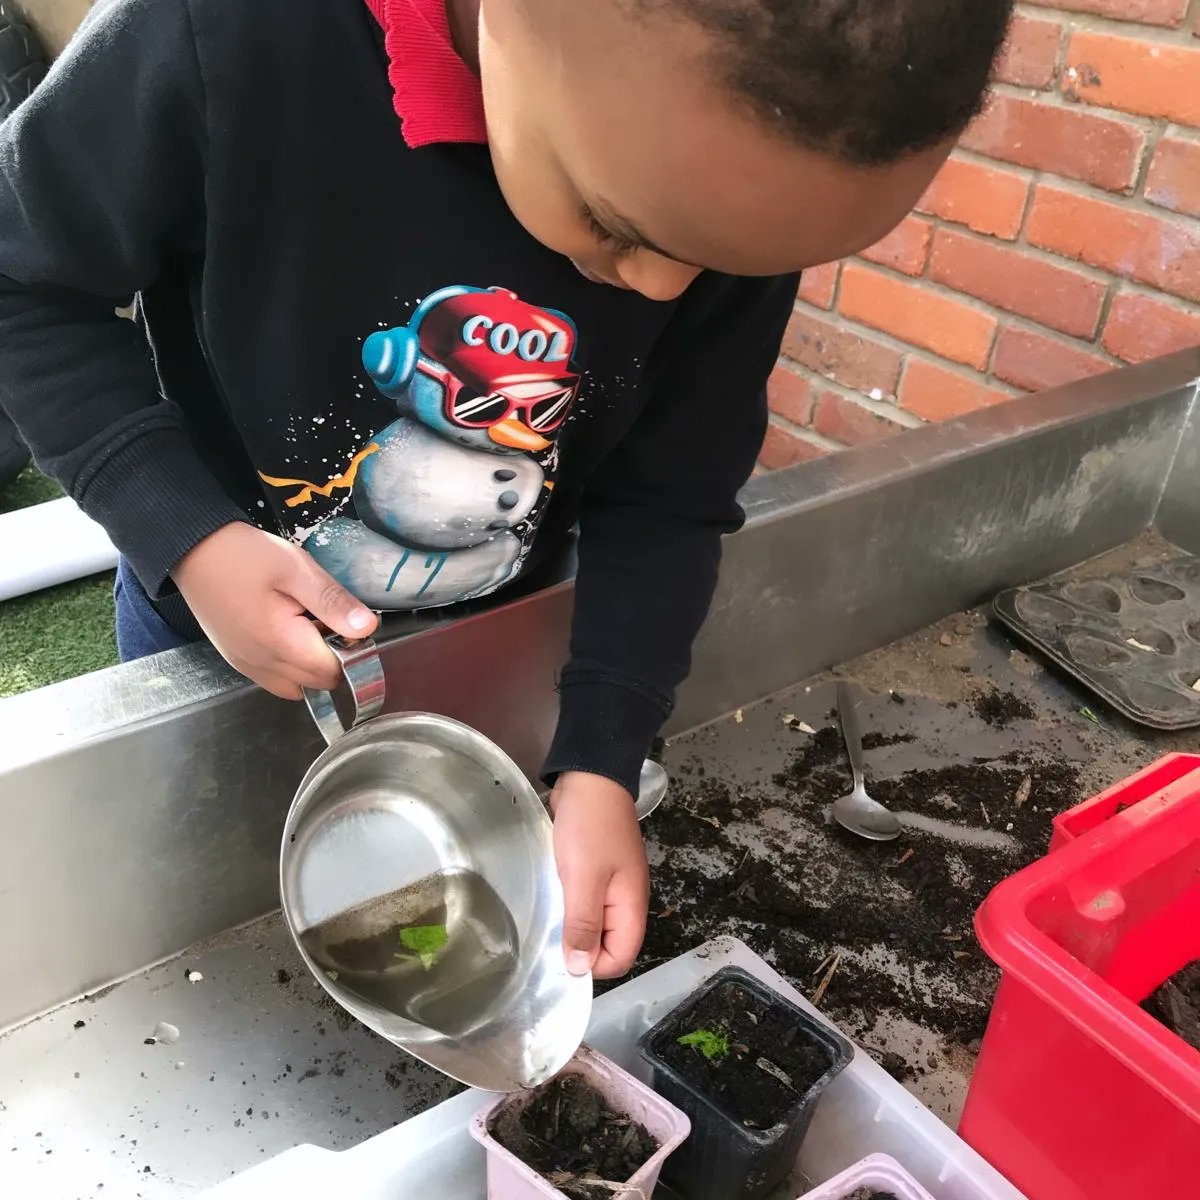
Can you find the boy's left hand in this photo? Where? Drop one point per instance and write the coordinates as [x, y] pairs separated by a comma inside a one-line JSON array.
[[602, 865]]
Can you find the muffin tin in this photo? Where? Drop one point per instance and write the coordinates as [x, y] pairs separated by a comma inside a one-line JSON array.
[[1133, 638]]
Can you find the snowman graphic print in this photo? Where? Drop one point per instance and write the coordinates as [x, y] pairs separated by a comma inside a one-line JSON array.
[[448, 496]]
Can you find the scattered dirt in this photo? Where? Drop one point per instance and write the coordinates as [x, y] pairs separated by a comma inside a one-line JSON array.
[[569, 1135], [870, 1194], [1002, 708], [762, 863], [1023, 664], [929, 666], [764, 1066], [743, 845], [1145, 550], [1177, 1004]]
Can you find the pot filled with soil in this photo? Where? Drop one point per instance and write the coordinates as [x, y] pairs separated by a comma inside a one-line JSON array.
[[875, 1178], [591, 1133], [748, 1067]]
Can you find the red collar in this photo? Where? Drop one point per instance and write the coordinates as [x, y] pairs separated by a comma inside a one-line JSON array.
[[436, 96]]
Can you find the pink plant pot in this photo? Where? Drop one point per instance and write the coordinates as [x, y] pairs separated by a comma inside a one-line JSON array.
[[508, 1178], [877, 1172]]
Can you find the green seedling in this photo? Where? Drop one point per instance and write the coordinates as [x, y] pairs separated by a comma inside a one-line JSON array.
[[424, 941], [712, 1043]]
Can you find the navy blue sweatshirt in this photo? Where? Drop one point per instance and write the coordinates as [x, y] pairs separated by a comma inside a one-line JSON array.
[[355, 344]]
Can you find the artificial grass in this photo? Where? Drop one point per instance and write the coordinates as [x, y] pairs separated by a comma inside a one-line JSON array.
[[57, 633]]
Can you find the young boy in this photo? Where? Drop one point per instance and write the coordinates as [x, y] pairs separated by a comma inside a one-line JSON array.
[[420, 285]]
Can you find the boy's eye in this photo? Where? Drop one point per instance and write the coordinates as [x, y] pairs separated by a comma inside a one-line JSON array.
[[604, 235]]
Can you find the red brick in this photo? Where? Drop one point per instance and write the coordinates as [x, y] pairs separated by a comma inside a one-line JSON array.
[[1030, 52], [1079, 145], [1146, 12], [1148, 78], [934, 392], [1174, 178], [846, 421], [818, 284], [841, 355], [1011, 279], [1161, 251], [905, 249], [918, 316], [1035, 362], [986, 199], [1142, 327], [783, 449], [790, 395]]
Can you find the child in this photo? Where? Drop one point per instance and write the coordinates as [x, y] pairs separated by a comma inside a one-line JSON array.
[[420, 285]]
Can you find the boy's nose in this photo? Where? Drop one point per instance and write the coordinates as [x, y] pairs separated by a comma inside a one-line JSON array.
[[656, 277]]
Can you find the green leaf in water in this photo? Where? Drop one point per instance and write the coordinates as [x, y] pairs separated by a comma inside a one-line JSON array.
[[713, 1044], [424, 941]]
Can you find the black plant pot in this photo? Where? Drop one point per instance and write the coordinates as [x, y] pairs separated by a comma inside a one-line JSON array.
[[723, 1159]]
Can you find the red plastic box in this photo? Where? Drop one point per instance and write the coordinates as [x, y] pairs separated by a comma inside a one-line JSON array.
[[1146, 784], [1078, 1093]]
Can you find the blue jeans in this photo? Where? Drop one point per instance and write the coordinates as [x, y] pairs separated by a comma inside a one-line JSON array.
[[140, 630]]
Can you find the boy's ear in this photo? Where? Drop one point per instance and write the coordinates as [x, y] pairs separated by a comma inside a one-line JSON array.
[[390, 357]]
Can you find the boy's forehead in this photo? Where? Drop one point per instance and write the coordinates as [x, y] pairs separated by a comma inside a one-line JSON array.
[[626, 96], [708, 186]]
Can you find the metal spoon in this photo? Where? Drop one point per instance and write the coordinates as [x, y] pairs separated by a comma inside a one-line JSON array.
[[652, 787], [857, 812]]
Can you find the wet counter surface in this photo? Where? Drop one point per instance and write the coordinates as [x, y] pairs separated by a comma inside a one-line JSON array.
[[966, 734]]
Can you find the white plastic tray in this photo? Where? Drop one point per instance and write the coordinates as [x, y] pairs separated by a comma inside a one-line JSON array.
[[864, 1112]]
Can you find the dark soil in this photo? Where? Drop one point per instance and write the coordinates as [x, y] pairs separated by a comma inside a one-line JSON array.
[[800, 900], [868, 1194], [1002, 708], [1177, 1004], [569, 1135], [765, 1041]]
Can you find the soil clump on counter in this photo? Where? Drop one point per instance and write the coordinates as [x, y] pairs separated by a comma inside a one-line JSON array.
[[1000, 708]]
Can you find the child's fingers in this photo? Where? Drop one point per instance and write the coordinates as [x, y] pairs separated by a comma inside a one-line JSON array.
[[583, 921], [303, 654], [624, 925], [320, 594]]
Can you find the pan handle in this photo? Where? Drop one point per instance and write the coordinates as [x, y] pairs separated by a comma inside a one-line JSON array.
[[363, 675]]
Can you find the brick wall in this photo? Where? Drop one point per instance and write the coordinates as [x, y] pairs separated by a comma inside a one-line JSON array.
[[1060, 240]]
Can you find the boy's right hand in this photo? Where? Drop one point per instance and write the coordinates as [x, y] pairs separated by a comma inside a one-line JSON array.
[[253, 595]]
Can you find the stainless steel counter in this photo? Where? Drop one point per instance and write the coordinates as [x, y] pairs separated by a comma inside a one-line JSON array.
[[142, 806], [263, 1062]]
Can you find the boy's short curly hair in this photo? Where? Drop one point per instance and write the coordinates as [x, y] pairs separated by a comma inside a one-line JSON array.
[[867, 81]]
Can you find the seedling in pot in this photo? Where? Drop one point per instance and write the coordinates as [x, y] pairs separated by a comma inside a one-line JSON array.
[[748, 1067], [714, 1044], [423, 942]]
